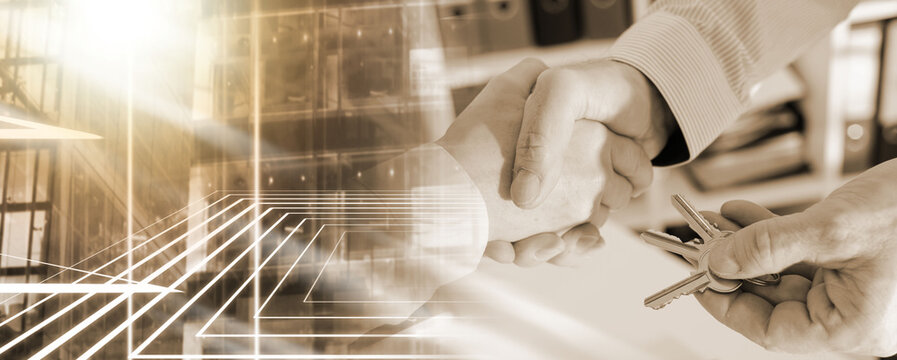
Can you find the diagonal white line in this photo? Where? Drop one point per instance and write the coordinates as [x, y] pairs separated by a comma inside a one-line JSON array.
[[63, 267], [35, 130], [84, 298], [153, 255], [310, 242], [33, 288], [117, 301], [220, 274], [125, 239], [47, 298], [120, 275], [112, 334], [338, 242]]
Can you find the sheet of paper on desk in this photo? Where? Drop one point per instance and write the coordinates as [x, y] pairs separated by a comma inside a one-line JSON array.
[[596, 311]]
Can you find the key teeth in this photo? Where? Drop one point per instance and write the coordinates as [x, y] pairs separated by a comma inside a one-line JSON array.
[[658, 306]]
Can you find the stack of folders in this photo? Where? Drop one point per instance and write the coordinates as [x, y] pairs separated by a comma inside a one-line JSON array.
[[870, 96], [886, 119], [765, 142], [472, 27]]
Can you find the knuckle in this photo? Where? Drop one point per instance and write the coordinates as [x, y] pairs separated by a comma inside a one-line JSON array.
[[501, 83], [768, 343], [759, 252], [619, 196], [533, 147], [627, 162], [559, 77], [534, 61], [834, 231]]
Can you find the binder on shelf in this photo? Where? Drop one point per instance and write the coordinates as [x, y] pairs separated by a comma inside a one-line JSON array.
[[862, 57], [603, 19], [753, 127], [555, 21], [460, 24], [772, 157], [506, 24], [886, 124]]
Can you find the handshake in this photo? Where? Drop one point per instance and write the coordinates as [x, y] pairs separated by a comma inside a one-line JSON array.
[[553, 151]]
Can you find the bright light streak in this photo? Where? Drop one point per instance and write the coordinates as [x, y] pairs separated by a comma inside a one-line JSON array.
[[23, 129], [34, 288], [130, 196], [254, 33], [111, 26]]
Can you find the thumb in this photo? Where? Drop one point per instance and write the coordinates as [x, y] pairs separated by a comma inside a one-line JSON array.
[[765, 247], [547, 126]]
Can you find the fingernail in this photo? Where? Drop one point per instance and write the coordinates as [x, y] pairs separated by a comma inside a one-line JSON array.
[[525, 187], [547, 254], [722, 260], [587, 242]]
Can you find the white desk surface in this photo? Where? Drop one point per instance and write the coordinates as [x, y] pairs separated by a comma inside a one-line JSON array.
[[596, 311]]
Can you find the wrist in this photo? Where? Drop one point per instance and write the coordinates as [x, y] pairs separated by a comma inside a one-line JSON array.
[[660, 120], [467, 150]]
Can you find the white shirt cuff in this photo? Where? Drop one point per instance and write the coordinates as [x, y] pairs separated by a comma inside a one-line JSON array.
[[674, 56]]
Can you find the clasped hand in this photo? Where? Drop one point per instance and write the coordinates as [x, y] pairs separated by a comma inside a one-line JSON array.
[[582, 170]]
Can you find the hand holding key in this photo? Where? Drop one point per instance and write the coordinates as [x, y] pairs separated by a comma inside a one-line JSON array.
[[839, 264], [695, 252]]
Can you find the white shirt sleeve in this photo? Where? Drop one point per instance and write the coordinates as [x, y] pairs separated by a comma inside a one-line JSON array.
[[705, 55]]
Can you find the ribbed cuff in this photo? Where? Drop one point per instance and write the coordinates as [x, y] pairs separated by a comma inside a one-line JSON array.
[[673, 55]]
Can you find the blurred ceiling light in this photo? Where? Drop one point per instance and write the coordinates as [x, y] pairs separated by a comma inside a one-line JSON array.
[[22, 129], [117, 24]]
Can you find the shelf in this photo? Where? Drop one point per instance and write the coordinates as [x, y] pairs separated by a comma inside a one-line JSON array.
[[873, 10], [478, 69]]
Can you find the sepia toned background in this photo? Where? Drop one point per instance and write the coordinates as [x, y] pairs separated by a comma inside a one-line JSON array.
[[183, 107]]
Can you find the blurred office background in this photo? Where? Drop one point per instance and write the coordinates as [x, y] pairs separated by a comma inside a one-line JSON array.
[[333, 87]]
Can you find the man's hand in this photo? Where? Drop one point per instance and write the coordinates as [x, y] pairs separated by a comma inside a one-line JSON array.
[[605, 91], [571, 249], [483, 140], [839, 260]]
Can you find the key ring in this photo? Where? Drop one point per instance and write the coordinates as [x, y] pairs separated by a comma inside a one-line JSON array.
[[765, 280]]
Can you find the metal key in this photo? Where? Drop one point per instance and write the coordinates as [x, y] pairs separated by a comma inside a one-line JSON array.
[[700, 279], [708, 231], [697, 254], [691, 252], [695, 221], [690, 285]]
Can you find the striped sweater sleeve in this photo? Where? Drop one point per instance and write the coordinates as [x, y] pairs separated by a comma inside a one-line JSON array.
[[705, 55]]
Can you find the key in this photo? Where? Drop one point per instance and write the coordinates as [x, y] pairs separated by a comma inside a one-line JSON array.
[[699, 281], [690, 285], [691, 252], [697, 253], [695, 220]]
